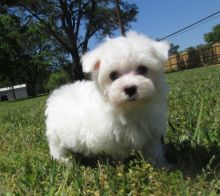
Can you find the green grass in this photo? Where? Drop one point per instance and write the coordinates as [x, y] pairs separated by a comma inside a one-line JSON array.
[[193, 145], [20, 103]]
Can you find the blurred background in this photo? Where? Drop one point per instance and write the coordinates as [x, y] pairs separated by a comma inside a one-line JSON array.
[[41, 42]]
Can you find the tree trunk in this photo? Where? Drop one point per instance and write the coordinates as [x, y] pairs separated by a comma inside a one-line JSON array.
[[120, 21], [13, 91], [12, 83], [34, 80], [77, 67]]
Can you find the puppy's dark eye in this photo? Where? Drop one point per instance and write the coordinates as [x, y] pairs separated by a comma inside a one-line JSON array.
[[114, 75], [142, 70]]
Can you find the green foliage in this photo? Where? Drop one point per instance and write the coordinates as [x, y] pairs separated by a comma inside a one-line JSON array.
[[57, 79], [9, 48], [73, 23], [25, 54], [193, 141], [173, 49], [213, 36]]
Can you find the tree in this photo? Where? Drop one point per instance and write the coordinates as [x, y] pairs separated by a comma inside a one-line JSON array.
[[73, 22], [193, 57], [57, 79], [173, 49], [118, 13], [9, 48], [213, 36], [25, 54]]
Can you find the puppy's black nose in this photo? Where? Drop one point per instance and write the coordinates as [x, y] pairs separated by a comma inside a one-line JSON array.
[[130, 91]]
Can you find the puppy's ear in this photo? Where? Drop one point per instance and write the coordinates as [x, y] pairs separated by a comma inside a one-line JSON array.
[[90, 61], [162, 50]]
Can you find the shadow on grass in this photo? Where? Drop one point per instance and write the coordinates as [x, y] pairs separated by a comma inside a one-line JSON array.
[[95, 161], [191, 160]]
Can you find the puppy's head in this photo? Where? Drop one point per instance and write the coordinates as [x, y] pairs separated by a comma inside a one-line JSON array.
[[128, 70]]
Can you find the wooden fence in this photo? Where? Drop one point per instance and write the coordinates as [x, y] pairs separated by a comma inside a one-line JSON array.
[[194, 58]]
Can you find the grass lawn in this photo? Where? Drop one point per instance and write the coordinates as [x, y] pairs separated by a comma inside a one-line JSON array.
[[193, 145]]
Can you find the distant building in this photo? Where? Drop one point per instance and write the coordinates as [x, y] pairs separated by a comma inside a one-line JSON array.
[[20, 92]]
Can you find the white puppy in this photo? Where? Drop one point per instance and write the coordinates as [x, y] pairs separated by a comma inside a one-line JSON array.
[[123, 109]]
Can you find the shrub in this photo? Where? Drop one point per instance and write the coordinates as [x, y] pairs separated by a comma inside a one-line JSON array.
[[57, 79]]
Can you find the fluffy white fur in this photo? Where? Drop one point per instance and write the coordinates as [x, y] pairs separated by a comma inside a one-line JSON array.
[[96, 117]]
